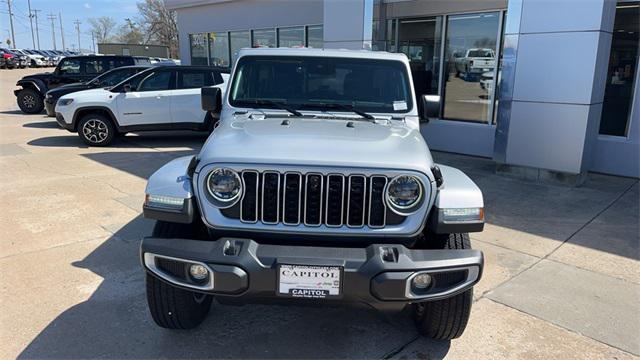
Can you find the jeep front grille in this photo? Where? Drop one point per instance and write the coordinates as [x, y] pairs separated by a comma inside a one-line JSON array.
[[313, 199]]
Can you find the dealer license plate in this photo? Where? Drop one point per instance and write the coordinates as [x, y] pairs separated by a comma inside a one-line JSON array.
[[304, 281]]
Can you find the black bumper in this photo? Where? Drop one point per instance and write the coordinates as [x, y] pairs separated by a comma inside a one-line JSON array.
[[62, 123], [50, 107], [378, 275]]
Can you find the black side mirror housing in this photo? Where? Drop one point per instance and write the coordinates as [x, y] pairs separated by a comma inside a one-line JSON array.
[[211, 99], [430, 107]]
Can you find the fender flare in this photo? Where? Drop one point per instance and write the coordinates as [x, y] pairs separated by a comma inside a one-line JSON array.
[[38, 84], [74, 120], [172, 180]]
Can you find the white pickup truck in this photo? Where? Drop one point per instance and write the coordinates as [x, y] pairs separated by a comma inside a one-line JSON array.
[[475, 62]]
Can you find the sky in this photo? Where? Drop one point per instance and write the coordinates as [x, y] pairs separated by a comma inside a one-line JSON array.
[[71, 11]]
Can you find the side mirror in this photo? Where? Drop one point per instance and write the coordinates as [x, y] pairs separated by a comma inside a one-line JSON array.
[[128, 88], [211, 99], [430, 107]]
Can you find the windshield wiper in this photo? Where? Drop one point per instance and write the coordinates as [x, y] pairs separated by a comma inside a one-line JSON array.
[[342, 107], [279, 105]]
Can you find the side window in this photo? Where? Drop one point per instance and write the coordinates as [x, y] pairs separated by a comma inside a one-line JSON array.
[[93, 67], [156, 82], [192, 79], [69, 67]]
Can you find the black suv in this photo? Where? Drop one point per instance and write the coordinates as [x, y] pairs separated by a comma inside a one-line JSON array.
[[71, 69], [110, 78]]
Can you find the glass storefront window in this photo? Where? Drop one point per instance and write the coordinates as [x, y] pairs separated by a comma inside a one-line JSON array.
[[622, 72], [264, 38], [198, 44], [291, 36], [420, 40], [239, 40], [315, 36], [219, 49], [470, 60]]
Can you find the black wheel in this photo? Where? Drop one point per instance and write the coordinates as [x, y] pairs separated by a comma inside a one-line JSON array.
[[172, 307], [30, 101], [96, 130], [445, 319]]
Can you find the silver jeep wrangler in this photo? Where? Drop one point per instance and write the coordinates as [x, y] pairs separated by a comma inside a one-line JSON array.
[[316, 186]]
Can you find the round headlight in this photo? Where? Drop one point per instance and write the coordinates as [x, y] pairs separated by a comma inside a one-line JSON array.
[[404, 193], [224, 185]]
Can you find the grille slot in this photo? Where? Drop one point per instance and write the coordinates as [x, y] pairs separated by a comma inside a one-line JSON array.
[[270, 197], [356, 200], [377, 208], [249, 203], [335, 199], [313, 199], [292, 196]]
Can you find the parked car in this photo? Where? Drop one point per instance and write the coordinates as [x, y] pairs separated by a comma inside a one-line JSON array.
[[10, 60], [474, 63], [33, 60], [316, 186], [20, 61], [3, 61], [71, 69], [48, 57], [110, 78], [159, 98]]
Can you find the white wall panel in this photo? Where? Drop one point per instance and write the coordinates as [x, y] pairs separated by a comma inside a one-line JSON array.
[[561, 15]]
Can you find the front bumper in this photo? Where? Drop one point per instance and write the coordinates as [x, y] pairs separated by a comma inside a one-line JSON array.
[[50, 107], [379, 275], [63, 124]]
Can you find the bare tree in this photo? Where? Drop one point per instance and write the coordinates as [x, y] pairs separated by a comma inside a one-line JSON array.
[[160, 25], [130, 33], [103, 27]]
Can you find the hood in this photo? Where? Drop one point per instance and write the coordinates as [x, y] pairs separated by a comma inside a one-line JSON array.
[[39, 76], [320, 142], [69, 88], [99, 94]]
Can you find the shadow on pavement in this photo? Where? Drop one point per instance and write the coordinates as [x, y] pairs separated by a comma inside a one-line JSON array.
[[150, 140], [43, 125], [115, 322]]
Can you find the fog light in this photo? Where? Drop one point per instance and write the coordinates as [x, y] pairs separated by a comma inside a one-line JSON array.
[[198, 272], [421, 281]]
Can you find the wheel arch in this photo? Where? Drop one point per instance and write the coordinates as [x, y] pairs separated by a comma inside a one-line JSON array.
[[84, 111], [34, 84]]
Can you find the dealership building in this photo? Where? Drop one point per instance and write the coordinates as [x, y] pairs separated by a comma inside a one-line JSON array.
[[566, 97]]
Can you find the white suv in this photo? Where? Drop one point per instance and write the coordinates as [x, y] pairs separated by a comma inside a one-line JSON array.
[[160, 98]]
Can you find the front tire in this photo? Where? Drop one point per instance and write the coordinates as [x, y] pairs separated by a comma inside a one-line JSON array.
[[30, 101], [96, 130], [445, 319], [172, 307]]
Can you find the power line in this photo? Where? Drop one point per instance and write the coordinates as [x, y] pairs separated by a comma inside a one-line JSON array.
[[33, 39], [13, 36], [61, 31], [35, 14], [53, 29], [77, 22]]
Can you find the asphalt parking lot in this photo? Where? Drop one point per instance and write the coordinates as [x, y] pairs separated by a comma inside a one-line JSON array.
[[562, 276]]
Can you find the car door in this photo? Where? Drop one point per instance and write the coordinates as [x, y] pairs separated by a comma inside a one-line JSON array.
[[68, 71], [186, 109], [148, 102]]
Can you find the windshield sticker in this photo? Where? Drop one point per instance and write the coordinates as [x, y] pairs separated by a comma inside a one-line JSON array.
[[399, 105]]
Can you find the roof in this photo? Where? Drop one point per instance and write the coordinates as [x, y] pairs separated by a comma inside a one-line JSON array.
[[363, 54]]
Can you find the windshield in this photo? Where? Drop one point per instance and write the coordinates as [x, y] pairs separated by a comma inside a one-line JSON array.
[[317, 83], [113, 77]]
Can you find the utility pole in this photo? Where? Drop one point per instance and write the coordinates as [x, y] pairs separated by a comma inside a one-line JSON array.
[[13, 35], [77, 22], [61, 31], [53, 29], [35, 15], [93, 41], [33, 39]]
